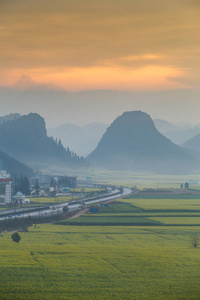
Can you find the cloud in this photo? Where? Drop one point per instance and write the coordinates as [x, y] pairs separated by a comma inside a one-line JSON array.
[[113, 77], [98, 34], [25, 82]]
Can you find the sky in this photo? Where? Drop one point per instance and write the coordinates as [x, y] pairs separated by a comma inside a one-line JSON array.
[[83, 61]]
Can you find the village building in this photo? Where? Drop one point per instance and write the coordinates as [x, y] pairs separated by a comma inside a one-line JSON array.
[[5, 188]]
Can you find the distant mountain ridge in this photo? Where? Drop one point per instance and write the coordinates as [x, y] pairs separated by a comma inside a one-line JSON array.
[[193, 143], [25, 138], [81, 139], [133, 143], [176, 133]]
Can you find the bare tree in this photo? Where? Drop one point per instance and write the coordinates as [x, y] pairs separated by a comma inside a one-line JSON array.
[[195, 239]]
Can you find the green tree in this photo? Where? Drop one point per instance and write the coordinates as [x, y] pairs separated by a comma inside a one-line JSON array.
[[26, 185], [22, 184], [16, 237], [186, 185]]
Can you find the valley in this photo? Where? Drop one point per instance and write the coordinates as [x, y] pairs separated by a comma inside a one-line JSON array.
[[153, 259]]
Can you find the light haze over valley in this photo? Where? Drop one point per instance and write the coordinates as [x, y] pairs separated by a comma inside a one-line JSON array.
[[99, 149]]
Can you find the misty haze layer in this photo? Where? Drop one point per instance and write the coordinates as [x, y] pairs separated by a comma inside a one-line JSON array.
[[81, 139]]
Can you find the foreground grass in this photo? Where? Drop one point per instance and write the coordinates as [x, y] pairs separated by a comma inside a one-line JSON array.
[[108, 262], [67, 262]]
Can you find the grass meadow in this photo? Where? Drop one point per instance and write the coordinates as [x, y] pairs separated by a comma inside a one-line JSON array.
[[151, 259]]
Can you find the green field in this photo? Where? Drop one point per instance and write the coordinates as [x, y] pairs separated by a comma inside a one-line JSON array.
[[151, 259], [176, 205], [135, 212], [158, 196], [111, 220], [51, 200], [64, 198], [178, 220], [67, 262]]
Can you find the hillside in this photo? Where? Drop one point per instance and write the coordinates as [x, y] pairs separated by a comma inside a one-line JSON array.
[[132, 142], [81, 139], [14, 167], [25, 139]]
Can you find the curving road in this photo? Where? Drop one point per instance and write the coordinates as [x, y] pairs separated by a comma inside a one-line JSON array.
[[58, 208]]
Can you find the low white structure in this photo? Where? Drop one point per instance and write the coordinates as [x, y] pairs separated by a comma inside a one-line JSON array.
[[5, 188], [26, 201]]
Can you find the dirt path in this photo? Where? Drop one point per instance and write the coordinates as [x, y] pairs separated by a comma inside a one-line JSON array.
[[79, 213]]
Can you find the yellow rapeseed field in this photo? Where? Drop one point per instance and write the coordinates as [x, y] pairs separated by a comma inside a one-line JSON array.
[[52, 200], [72, 262], [165, 204]]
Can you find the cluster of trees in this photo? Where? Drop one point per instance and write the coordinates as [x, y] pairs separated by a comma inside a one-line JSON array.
[[21, 184], [64, 154], [185, 185]]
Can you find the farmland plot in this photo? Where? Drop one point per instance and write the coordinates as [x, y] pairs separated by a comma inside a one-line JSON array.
[[151, 259], [70, 262]]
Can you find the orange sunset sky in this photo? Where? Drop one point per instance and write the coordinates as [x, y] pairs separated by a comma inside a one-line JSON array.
[[76, 45]]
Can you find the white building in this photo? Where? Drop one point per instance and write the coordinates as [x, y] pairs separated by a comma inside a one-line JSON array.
[[5, 188]]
